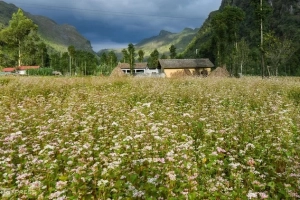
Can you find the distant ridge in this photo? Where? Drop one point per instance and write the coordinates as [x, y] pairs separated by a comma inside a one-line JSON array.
[[162, 42], [59, 37]]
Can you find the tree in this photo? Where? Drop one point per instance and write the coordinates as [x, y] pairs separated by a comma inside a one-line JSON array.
[[65, 62], [172, 51], [17, 32], [141, 55], [278, 52], [112, 60], [225, 26], [242, 54], [42, 55], [131, 55], [55, 62], [261, 11], [128, 57], [153, 59], [72, 52], [87, 63], [163, 56], [103, 58], [125, 56]]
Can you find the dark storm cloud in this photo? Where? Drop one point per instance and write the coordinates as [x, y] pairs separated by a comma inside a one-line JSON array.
[[115, 23]]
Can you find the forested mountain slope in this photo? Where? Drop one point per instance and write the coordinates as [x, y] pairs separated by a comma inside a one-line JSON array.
[[57, 36], [282, 22]]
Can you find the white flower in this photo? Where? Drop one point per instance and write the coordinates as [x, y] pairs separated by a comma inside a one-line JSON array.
[[186, 115], [172, 175], [157, 137], [35, 185], [147, 148], [152, 181], [234, 165], [49, 147], [102, 182], [147, 105], [114, 124], [61, 184], [220, 150], [263, 195], [252, 195]]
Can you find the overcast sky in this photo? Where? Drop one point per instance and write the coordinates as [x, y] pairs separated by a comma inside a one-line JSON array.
[[116, 23]]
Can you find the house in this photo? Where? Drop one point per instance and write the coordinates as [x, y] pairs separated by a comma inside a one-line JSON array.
[[138, 67], [185, 67], [23, 69], [8, 70]]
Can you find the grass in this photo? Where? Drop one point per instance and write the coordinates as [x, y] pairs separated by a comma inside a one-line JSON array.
[[139, 138]]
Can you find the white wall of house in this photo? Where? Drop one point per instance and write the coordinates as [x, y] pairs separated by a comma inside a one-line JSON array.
[[152, 71], [127, 71], [22, 72]]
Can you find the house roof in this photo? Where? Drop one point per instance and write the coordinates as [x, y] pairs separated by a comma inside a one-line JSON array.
[[185, 63], [27, 67], [136, 66], [8, 69]]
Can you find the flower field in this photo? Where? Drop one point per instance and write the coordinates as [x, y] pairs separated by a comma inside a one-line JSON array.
[[147, 138]]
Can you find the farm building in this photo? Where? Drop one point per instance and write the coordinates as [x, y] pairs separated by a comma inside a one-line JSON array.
[[139, 68], [8, 70], [18, 70], [22, 69], [185, 67]]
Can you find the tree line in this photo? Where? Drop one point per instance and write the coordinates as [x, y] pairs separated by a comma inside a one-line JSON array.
[[247, 45], [21, 45], [109, 60]]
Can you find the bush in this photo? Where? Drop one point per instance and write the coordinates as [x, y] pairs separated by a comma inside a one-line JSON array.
[[40, 72]]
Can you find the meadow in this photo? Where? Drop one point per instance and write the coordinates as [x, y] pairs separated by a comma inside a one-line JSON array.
[[149, 138]]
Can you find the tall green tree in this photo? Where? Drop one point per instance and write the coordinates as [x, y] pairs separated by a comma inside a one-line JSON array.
[[112, 60], [278, 51], [153, 59], [173, 53], [55, 62], [87, 63], [225, 25], [261, 11], [103, 59], [125, 58], [141, 55], [72, 53], [65, 63], [17, 32], [243, 54], [42, 56], [131, 54]]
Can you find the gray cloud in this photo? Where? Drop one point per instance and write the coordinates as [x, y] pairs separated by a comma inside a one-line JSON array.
[[115, 23]]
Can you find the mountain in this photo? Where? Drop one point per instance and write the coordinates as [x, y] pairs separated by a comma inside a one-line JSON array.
[[162, 42], [283, 21], [59, 37], [165, 39]]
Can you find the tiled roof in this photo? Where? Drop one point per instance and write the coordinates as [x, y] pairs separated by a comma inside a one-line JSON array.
[[185, 63], [8, 69], [27, 67], [136, 66]]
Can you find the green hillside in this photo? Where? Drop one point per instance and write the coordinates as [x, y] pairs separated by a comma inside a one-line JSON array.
[[162, 42], [282, 22], [58, 37], [165, 39]]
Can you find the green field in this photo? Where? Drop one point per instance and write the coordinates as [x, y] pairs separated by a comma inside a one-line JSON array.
[[139, 138]]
